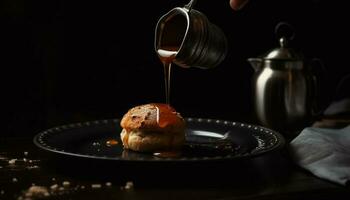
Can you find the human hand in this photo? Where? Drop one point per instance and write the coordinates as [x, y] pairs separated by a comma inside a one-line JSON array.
[[238, 4]]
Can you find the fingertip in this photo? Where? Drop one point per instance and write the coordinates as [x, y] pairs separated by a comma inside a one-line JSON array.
[[238, 4], [233, 4]]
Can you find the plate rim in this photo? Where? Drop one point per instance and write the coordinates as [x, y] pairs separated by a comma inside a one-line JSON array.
[[37, 140]]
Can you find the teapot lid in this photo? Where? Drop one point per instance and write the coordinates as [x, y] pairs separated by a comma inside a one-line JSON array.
[[285, 32], [283, 52]]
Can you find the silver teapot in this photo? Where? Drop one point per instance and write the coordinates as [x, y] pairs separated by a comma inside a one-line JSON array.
[[284, 89]]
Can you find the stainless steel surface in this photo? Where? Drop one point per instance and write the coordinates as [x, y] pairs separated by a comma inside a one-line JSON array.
[[283, 89], [199, 43], [283, 52], [282, 96]]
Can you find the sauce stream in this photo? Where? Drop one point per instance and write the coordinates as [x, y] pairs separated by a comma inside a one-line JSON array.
[[166, 56]]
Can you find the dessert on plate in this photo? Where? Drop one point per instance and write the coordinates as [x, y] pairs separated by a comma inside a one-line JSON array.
[[153, 127]]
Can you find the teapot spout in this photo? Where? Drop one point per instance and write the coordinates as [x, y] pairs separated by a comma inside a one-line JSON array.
[[256, 63]]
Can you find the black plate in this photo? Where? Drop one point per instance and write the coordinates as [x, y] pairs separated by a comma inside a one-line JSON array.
[[204, 141]]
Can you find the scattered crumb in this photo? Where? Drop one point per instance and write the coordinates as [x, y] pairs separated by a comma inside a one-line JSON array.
[[96, 186], [2, 192], [30, 161], [77, 187], [96, 144], [25, 160], [25, 153], [54, 187], [33, 167], [37, 192], [12, 161], [129, 185], [66, 183]]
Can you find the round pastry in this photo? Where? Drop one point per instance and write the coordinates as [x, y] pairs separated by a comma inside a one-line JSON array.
[[153, 127]]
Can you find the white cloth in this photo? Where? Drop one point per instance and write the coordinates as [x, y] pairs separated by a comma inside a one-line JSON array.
[[324, 152]]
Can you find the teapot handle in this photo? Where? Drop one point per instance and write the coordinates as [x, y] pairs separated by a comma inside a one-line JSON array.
[[320, 101], [341, 85], [286, 30]]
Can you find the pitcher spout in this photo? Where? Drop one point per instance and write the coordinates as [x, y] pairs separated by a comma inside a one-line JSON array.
[[256, 63]]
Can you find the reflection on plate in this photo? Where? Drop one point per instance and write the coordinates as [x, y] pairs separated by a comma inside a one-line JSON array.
[[206, 140]]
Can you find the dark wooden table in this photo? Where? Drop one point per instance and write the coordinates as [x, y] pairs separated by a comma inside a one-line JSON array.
[[271, 176]]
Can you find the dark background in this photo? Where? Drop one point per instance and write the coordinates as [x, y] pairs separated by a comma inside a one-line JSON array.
[[67, 61]]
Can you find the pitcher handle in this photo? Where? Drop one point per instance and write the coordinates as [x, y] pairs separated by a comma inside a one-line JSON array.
[[190, 5]]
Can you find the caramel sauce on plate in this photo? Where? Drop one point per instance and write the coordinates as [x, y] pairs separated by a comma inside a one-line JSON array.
[[111, 142]]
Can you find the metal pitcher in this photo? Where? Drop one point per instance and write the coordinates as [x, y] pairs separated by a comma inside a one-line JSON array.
[[198, 42], [284, 88]]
